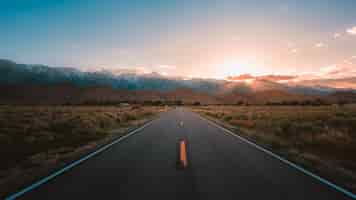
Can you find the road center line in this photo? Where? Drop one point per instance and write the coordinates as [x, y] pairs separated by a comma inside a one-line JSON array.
[[183, 161], [181, 123]]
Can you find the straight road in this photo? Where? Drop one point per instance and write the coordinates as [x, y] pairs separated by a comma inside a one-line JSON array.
[[220, 166]]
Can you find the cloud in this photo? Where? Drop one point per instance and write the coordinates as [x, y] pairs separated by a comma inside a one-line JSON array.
[[336, 35], [241, 77], [351, 31], [337, 71], [348, 62], [277, 78], [166, 66], [290, 44], [269, 77], [320, 45], [334, 76], [329, 70], [164, 73], [294, 50], [332, 83], [127, 70]]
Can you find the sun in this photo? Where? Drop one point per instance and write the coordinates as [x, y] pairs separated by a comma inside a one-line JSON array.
[[231, 67], [235, 66]]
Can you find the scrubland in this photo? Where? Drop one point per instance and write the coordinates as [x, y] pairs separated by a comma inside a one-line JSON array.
[[37, 139], [320, 138]]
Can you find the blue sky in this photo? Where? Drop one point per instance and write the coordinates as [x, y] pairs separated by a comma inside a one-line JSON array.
[[190, 38]]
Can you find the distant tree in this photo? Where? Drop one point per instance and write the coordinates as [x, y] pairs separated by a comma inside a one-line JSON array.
[[147, 102], [294, 103], [342, 102], [197, 103], [319, 102], [240, 103], [306, 102], [178, 102], [157, 103]]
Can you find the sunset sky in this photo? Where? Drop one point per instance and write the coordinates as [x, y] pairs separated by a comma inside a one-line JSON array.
[[215, 39]]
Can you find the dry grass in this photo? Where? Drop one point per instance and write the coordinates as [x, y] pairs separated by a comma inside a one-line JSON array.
[[321, 138], [36, 137]]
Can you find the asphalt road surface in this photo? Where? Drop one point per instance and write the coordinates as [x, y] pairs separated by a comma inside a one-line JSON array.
[[220, 166]]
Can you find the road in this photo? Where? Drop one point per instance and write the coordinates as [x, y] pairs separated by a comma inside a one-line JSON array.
[[220, 166]]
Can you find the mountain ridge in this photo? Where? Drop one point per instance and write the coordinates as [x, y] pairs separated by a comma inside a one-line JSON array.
[[31, 84]]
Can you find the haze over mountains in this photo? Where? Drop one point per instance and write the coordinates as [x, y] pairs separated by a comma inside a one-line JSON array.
[[40, 84]]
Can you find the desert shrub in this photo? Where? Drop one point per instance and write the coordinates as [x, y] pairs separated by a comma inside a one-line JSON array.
[[136, 107], [62, 126], [128, 117], [26, 131], [286, 129], [228, 118], [146, 114], [342, 114], [197, 103], [243, 123], [240, 117]]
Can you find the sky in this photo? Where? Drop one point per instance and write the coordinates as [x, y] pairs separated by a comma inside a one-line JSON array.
[[192, 38]]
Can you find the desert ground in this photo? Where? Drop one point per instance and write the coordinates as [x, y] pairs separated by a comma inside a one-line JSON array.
[[35, 140], [320, 138]]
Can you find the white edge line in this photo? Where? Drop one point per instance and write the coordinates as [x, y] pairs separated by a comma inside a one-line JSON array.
[[295, 166], [73, 164]]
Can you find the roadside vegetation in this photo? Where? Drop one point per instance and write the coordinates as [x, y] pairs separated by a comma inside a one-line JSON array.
[[320, 138], [36, 139]]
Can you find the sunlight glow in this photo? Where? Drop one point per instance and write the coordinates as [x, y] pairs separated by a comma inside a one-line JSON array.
[[231, 67], [235, 66]]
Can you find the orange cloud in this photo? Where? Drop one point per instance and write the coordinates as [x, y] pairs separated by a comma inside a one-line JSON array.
[[277, 77], [270, 77], [338, 71], [346, 83], [242, 77], [351, 31], [337, 35], [320, 45]]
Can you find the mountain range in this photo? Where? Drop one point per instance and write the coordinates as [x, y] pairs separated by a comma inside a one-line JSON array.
[[40, 84]]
